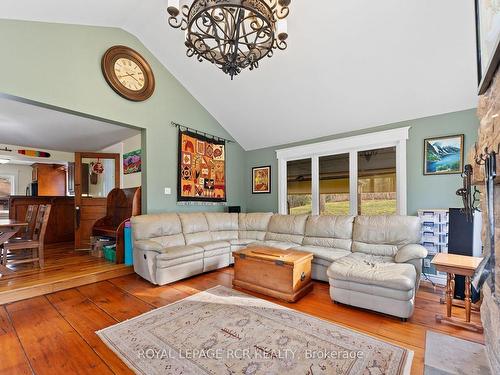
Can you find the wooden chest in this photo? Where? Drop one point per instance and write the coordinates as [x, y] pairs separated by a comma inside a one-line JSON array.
[[282, 274]]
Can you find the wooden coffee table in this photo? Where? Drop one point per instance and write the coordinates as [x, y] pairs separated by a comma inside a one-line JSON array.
[[283, 274]]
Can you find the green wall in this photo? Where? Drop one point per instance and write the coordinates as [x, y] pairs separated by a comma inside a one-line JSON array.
[[59, 65], [423, 191]]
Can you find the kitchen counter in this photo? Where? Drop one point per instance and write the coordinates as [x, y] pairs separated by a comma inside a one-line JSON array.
[[61, 226]]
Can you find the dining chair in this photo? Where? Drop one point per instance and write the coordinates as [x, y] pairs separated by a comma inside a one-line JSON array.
[[35, 243], [29, 218]]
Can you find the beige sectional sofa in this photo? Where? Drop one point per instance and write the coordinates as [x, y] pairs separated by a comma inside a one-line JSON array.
[[371, 262]]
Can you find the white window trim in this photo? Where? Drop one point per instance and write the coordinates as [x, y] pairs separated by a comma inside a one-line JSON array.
[[351, 145]]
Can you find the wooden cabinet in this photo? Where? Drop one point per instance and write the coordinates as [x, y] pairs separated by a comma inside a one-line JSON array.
[[61, 226], [51, 179]]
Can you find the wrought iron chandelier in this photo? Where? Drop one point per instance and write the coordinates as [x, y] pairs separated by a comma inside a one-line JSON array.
[[232, 34]]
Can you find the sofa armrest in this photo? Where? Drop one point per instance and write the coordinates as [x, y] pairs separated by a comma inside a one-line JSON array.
[[409, 252], [148, 245]]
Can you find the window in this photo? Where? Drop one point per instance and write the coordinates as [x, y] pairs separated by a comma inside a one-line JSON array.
[[360, 175], [377, 182], [334, 198], [299, 194], [6, 185]]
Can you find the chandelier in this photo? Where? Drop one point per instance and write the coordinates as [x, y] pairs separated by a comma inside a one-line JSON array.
[[232, 34]]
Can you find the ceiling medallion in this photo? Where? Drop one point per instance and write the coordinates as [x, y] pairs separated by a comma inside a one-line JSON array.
[[232, 34]]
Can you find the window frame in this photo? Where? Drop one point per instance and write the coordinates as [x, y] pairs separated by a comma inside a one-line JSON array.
[[351, 145]]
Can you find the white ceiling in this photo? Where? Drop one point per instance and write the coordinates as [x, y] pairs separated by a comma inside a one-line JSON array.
[[28, 125], [350, 64]]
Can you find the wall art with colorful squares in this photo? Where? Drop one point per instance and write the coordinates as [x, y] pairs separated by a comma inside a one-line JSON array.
[[202, 172]]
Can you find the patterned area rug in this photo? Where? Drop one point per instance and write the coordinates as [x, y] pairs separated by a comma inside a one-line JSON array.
[[222, 331]]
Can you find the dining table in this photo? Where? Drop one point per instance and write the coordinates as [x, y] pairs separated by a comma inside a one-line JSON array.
[[8, 228]]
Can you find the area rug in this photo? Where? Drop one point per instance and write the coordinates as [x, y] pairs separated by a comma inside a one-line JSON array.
[[447, 355], [223, 331]]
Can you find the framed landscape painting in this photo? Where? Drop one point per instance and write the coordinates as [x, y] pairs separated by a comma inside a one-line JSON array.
[[444, 155], [261, 180]]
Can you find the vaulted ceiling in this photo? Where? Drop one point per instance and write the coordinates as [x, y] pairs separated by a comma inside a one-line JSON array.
[[350, 64]]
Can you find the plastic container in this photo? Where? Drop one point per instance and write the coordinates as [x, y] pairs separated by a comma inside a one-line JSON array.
[[110, 253]]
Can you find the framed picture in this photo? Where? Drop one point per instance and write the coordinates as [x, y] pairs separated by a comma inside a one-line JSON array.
[[261, 180], [444, 155], [132, 162], [487, 41]]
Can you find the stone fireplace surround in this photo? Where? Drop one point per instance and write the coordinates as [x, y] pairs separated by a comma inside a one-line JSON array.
[[489, 136]]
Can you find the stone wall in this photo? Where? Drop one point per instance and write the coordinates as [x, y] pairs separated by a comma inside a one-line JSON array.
[[489, 136]]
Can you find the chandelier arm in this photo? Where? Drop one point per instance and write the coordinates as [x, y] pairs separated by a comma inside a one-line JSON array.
[[218, 39], [241, 17]]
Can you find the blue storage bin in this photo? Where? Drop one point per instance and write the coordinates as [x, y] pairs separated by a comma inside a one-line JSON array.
[[127, 234]]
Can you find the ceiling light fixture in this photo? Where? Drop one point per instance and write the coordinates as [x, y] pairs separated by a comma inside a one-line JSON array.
[[4, 161], [232, 34]]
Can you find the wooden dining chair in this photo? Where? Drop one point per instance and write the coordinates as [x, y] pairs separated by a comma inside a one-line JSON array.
[[35, 243], [30, 218]]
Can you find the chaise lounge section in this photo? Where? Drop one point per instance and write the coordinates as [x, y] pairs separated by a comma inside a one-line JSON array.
[[370, 262]]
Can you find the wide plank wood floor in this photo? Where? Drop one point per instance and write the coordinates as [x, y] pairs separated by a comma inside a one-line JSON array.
[[64, 268], [55, 333]]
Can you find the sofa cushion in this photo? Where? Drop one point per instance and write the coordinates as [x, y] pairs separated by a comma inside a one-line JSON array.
[[175, 256], [329, 231], [326, 253], [179, 252], [195, 228], [216, 252], [286, 228], [253, 226], [165, 229], [373, 270], [213, 245], [222, 226], [384, 235]]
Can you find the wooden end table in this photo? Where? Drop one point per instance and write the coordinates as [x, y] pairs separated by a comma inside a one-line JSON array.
[[283, 274], [461, 265]]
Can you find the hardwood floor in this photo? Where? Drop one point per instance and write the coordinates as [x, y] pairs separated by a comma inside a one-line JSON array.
[[64, 268], [55, 334]]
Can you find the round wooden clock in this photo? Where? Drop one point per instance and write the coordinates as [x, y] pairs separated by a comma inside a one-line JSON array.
[[128, 73]]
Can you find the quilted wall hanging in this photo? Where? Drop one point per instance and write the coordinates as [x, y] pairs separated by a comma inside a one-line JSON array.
[[202, 168]]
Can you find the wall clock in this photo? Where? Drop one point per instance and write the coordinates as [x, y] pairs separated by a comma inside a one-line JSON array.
[[128, 73]]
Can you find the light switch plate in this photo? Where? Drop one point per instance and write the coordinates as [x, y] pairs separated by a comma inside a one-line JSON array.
[[168, 191]]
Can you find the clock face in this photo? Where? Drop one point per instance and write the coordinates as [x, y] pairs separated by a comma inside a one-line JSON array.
[[129, 74]]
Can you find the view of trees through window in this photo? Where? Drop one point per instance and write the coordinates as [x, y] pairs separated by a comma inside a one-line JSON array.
[[299, 196], [334, 185], [376, 184]]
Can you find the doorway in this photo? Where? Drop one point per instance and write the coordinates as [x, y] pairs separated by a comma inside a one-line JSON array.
[[86, 156]]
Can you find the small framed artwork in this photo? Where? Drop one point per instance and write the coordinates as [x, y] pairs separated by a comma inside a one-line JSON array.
[[261, 180], [132, 162], [444, 155]]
